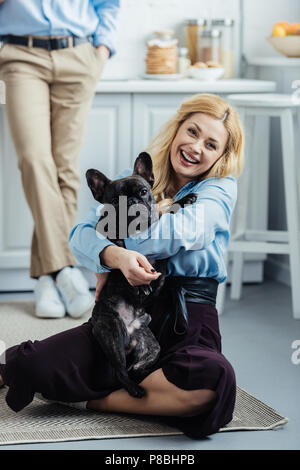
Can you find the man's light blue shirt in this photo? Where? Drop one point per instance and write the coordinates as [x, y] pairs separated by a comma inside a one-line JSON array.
[[62, 18], [197, 238]]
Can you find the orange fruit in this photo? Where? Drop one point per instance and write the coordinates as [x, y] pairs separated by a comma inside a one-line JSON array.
[[284, 24], [293, 28], [278, 30]]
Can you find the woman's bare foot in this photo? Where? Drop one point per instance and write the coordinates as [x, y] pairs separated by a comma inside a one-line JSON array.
[[1, 381]]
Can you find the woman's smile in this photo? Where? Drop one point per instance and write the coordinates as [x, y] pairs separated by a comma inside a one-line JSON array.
[[187, 159]]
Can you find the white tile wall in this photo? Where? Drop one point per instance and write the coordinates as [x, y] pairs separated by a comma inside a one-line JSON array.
[[139, 18]]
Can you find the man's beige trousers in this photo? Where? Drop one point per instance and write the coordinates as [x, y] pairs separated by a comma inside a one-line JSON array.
[[48, 96]]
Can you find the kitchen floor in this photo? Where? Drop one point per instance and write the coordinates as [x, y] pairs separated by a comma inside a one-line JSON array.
[[258, 332]]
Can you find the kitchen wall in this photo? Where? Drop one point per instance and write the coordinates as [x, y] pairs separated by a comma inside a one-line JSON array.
[[259, 17], [139, 18]]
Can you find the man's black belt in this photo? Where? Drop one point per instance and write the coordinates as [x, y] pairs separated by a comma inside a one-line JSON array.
[[49, 44], [182, 289]]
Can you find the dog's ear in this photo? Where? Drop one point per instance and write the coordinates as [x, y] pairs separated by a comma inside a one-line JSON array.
[[96, 182], [143, 167]]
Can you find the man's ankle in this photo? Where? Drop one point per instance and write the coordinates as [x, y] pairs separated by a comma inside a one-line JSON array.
[[1, 381], [55, 273]]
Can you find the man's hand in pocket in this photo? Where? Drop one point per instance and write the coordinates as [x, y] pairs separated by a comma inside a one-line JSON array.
[[104, 52]]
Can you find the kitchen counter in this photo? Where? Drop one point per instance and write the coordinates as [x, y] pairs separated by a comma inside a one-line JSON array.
[[278, 61], [234, 85]]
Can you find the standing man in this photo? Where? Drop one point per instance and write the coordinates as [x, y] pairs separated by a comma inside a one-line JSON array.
[[51, 59]]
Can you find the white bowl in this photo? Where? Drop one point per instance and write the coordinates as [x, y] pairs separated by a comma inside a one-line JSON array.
[[286, 45], [208, 73]]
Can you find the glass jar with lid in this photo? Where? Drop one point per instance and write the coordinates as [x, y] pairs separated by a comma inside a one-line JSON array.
[[226, 26], [183, 62], [192, 29], [161, 55], [209, 46]]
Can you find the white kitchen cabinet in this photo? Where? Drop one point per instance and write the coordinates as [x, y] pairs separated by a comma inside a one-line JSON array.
[[15, 216], [120, 126], [107, 146], [107, 143]]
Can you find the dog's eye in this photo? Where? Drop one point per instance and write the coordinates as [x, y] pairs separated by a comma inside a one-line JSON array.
[[115, 201], [143, 192]]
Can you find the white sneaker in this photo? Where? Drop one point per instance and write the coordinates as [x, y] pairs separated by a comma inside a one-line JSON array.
[[74, 289], [48, 303]]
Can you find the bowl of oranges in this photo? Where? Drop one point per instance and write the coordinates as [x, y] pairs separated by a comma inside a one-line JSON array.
[[285, 38]]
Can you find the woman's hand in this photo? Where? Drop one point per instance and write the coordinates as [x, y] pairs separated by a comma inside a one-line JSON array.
[[101, 281], [135, 266]]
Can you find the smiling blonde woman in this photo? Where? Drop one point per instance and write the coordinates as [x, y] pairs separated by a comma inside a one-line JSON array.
[[192, 385]]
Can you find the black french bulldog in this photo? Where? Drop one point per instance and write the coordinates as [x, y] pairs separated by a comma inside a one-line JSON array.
[[120, 322]]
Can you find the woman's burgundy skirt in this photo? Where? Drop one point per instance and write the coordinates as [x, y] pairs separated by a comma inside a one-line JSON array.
[[71, 366]]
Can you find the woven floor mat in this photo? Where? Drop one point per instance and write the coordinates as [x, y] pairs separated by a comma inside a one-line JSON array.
[[43, 422]]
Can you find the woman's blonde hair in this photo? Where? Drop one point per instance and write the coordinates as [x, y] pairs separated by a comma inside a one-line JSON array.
[[230, 163]]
